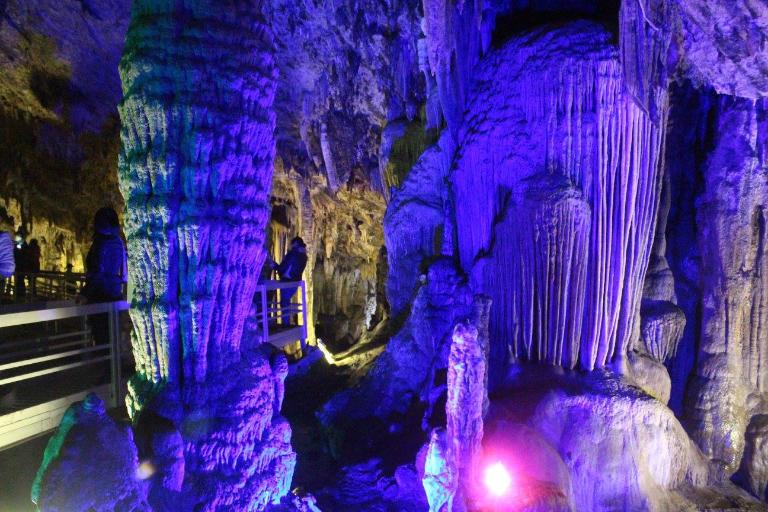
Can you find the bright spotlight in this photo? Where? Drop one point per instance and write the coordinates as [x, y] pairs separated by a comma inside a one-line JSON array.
[[497, 479]]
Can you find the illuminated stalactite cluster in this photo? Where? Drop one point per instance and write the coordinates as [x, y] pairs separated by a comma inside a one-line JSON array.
[[552, 144]]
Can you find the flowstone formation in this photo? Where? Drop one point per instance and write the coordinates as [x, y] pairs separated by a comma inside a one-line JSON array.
[[581, 198], [196, 171]]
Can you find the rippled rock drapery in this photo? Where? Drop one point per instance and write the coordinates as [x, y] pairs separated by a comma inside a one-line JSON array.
[[549, 117], [196, 171]]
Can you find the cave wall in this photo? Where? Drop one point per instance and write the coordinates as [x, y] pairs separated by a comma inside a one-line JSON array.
[[59, 90]]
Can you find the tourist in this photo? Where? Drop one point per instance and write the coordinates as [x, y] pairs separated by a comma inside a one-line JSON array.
[[7, 262], [32, 261], [20, 256], [105, 269], [290, 269]]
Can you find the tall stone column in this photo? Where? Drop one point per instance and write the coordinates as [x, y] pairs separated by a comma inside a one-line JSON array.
[[195, 170], [732, 352]]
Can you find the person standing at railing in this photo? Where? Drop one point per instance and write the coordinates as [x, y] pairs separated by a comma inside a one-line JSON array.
[[106, 269], [21, 256], [33, 264], [7, 261], [290, 269]]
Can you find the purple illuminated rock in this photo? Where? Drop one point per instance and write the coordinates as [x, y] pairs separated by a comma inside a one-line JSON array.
[[441, 476], [467, 394], [604, 438], [90, 463], [196, 170], [661, 328], [406, 371], [549, 117]]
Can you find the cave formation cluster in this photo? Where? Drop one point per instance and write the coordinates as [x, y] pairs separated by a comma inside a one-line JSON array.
[[541, 225]]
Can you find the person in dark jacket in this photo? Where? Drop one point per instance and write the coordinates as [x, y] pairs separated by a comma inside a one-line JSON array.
[[106, 269], [291, 269], [33, 264], [21, 256]]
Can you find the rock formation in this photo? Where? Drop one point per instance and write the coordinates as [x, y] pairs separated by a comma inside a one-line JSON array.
[[90, 463], [596, 167], [570, 295], [412, 368], [196, 171]]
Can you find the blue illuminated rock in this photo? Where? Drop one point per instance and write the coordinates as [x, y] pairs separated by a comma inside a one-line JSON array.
[[90, 463], [196, 170], [536, 216]]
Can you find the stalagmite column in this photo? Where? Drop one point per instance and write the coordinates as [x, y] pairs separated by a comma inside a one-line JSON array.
[[195, 170], [467, 398], [732, 357]]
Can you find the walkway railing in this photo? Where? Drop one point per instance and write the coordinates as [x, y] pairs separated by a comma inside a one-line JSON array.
[[281, 322], [42, 285], [52, 355]]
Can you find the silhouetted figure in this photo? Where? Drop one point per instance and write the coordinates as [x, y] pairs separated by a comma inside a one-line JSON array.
[[33, 263], [21, 256], [106, 269], [291, 269], [7, 261]]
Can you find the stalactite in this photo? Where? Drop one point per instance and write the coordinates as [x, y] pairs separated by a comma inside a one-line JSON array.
[[330, 165], [550, 112]]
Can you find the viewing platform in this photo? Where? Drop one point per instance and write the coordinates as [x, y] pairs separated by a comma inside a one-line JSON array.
[[284, 327]]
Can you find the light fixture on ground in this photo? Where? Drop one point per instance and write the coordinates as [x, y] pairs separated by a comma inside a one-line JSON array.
[[497, 480]]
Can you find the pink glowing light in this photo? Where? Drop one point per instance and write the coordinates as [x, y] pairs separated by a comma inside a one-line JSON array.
[[497, 479]]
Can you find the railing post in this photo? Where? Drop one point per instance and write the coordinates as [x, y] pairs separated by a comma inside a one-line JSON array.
[[264, 315], [303, 316], [114, 343]]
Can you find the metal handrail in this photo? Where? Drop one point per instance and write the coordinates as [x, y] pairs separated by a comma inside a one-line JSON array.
[[273, 310], [47, 315], [112, 309]]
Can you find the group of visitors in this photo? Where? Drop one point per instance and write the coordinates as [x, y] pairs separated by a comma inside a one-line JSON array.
[[17, 258], [106, 263]]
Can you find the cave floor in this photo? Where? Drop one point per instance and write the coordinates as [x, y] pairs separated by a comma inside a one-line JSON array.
[[305, 392], [18, 466]]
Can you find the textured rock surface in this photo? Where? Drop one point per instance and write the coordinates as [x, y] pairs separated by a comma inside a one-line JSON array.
[[441, 476], [731, 236], [661, 328], [467, 394], [552, 107], [603, 432], [408, 370], [196, 171], [90, 463], [415, 223], [365, 486], [753, 472]]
